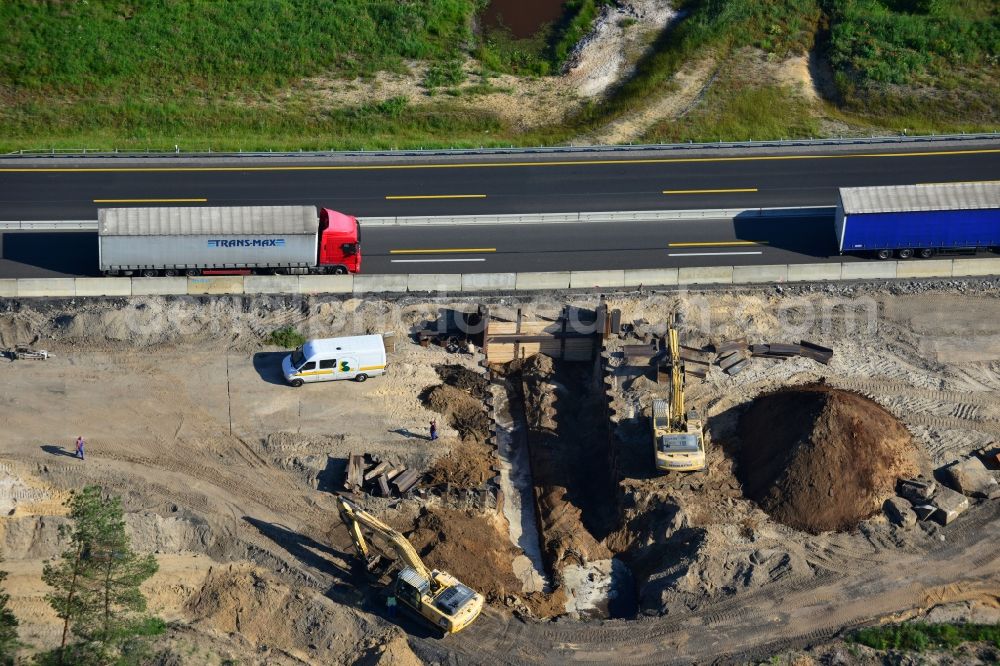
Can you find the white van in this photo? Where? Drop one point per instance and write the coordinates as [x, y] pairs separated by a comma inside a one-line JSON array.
[[358, 357]]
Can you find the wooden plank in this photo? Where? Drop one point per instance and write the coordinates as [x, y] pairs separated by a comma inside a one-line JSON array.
[[355, 471], [406, 480], [376, 470], [383, 485], [731, 346], [393, 472], [517, 329]]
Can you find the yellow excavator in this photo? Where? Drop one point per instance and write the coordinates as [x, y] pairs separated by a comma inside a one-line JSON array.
[[434, 595], [678, 441]]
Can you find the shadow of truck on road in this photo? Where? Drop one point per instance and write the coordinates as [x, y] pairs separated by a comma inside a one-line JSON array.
[[807, 236]]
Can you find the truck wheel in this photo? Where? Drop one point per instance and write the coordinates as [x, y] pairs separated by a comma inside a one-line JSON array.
[[340, 270], [905, 254], [149, 272], [883, 254], [170, 272], [192, 272], [926, 253], [361, 377], [296, 383]]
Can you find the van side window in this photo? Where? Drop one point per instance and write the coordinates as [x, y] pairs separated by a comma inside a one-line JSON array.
[[311, 365], [328, 364]]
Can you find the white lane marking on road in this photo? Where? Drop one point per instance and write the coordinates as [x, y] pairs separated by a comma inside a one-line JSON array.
[[707, 254], [429, 261]]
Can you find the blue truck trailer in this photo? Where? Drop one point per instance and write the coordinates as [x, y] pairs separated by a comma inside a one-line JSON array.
[[918, 220]]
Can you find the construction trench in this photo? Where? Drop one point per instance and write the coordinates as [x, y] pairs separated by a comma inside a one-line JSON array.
[[540, 491]]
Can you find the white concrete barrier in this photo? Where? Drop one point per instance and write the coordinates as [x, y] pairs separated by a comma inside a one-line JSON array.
[[215, 285], [921, 268], [651, 277], [975, 267], [103, 287], [814, 272], [602, 216], [8, 288], [542, 281], [42, 287], [705, 275], [380, 284], [159, 286], [596, 279], [767, 273], [271, 284], [434, 282], [869, 270], [326, 284], [488, 281]]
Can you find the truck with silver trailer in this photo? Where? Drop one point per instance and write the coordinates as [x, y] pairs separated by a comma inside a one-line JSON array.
[[227, 240]]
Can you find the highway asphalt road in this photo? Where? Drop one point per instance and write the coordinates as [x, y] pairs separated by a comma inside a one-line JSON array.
[[506, 248], [495, 185]]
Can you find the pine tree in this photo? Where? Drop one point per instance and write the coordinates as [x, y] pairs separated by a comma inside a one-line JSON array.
[[8, 627], [97, 579]]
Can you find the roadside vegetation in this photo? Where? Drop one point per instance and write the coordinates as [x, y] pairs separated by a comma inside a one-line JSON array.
[[287, 337], [243, 75], [920, 637]]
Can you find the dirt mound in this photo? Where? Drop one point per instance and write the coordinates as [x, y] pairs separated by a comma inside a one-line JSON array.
[[469, 546], [465, 413], [244, 601], [467, 379], [467, 465], [475, 549], [821, 459]]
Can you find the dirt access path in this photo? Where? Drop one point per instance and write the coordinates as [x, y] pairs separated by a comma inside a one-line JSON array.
[[752, 626]]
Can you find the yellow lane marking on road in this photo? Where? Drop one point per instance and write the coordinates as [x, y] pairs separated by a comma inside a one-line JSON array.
[[150, 200], [735, 189], [718, 244], [451, 250], [479, 165], [434, 196]]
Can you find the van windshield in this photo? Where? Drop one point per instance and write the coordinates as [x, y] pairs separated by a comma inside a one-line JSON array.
[[297, 357]]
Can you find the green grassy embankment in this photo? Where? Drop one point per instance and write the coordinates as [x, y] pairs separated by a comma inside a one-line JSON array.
[[239, 74], [916, 65], [200, 73]]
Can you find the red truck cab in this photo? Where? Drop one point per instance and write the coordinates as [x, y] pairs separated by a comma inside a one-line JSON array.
[[339, 242]]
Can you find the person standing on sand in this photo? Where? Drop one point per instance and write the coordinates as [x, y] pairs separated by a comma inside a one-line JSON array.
[[79, 447], [434, 430]]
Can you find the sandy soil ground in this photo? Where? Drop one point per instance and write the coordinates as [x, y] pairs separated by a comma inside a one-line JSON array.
[[227, 474]]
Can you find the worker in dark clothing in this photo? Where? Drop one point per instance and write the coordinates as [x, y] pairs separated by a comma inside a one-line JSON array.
[[434, 430], [390, 606]]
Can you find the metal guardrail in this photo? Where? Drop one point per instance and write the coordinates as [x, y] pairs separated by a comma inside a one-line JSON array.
[[49, 225], [511, 150], [462, 220]]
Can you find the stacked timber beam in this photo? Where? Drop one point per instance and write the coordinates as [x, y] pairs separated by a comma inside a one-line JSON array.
[[366, 474]]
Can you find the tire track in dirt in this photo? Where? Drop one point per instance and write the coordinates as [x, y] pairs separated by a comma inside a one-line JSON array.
[[827, 602]]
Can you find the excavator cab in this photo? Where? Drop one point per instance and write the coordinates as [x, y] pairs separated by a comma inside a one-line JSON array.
[[411, 587]]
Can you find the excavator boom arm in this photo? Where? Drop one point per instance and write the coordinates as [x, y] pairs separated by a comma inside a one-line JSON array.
[[356, 519], [676, 381]]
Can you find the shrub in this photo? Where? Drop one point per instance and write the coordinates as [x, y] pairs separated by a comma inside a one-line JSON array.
[[287, 337]]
